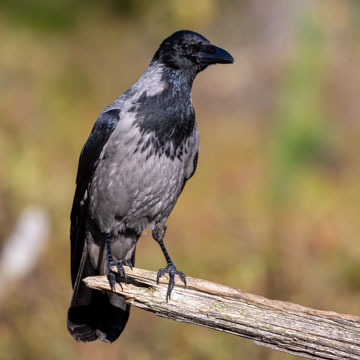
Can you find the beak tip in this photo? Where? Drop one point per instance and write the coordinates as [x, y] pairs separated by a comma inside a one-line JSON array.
[[231, 60], [220, 56]]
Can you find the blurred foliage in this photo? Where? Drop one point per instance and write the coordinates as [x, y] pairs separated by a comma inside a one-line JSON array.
[[42, 15], [274, 205], [64, 15], [301, 134]]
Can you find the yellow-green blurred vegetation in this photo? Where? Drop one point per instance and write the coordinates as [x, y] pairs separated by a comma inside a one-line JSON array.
[[274, 205]]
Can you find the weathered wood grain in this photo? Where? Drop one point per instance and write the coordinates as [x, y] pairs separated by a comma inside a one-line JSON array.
[[280, 325]]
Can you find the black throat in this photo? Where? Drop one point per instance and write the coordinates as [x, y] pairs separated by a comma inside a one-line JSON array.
[[167, 117]]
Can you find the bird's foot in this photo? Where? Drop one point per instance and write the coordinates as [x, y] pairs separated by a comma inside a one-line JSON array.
[[112, 280], [127, 262], [172, 271], [120, 270]]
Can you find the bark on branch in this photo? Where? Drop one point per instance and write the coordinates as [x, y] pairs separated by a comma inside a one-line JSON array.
[[280, 325]]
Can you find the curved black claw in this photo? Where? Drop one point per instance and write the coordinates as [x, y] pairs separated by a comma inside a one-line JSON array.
[[127, 262], [172, 271], [112, 281], [120, 270]]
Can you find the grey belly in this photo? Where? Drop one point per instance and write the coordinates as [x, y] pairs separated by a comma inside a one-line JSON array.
[[134, 192]]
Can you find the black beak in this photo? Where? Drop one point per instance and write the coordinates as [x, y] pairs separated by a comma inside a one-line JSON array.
[[216, 55]]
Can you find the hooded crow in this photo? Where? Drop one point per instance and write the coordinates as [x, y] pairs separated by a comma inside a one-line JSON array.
[[139, 155]]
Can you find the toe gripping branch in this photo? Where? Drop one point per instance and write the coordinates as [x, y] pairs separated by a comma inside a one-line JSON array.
[[172, 271], [158, 235], [119, 265]]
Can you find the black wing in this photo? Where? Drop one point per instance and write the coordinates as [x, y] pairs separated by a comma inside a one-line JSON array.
[[103, 128]]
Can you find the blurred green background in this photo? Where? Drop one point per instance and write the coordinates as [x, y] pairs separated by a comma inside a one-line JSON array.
[[274, 205]]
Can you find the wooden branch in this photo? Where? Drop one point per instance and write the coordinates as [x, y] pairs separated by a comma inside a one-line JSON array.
[[280, 325]]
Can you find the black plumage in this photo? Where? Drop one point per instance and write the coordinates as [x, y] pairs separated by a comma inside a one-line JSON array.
[[139, 155]]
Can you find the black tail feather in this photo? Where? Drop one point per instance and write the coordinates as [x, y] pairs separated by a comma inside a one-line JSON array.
[[92, 314], [99, 320]]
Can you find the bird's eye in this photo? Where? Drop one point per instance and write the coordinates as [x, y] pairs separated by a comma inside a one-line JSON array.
[[184, 46]]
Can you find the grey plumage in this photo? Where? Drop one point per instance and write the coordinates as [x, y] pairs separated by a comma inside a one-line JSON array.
[[141, 151]]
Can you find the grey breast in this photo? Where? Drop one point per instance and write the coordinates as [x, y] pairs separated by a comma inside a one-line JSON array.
[[132, 188]]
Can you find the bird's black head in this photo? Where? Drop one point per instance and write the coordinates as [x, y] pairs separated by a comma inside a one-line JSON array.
[[190, 51]]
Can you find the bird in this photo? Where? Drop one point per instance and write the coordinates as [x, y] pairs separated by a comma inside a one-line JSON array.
[[135, 163]]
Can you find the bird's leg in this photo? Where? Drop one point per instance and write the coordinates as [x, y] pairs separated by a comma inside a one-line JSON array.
[[158, 233], [111, 262]]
